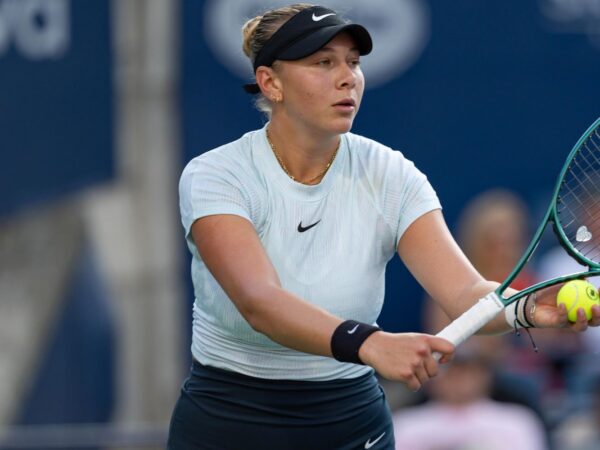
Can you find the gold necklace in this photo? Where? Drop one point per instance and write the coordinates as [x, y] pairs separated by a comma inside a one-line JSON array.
[[285, 169]]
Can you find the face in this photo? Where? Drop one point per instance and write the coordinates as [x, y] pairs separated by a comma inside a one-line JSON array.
[[502, 235], [322, 92]]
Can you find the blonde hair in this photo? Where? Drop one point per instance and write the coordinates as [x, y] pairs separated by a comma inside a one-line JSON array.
[[258, 30]]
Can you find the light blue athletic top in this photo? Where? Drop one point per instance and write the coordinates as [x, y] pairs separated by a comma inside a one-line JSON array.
[[361, 208]]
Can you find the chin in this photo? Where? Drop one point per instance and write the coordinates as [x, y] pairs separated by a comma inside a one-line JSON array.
[[340, 126]]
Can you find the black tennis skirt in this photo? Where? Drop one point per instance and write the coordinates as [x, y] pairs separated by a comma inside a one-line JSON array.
[[223, 410]]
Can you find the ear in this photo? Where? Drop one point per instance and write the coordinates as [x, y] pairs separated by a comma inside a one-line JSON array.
[[269, 83]]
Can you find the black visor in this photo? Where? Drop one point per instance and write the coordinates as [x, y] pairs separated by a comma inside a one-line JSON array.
[[304, 34]]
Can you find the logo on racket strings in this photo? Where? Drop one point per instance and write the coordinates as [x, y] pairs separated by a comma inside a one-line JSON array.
[[583, 234]]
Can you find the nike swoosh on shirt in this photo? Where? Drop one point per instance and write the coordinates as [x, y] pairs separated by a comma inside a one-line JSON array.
[[302, 229], [370, 444], [319, 18]]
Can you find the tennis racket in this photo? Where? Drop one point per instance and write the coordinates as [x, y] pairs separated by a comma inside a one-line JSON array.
[[574, 213]]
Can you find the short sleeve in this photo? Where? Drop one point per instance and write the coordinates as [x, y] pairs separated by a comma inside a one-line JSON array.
[[407, 193], [416, 198], [209, 186]]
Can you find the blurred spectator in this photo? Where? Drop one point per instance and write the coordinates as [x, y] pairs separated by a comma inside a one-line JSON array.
[[581, 430], [461, 416], [493, 233]]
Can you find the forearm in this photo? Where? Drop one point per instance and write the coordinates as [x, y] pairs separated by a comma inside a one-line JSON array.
[[289, 320], [295, 323], [469, 296]]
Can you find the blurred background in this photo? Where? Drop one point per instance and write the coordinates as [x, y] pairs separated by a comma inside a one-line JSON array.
[[103, 102]]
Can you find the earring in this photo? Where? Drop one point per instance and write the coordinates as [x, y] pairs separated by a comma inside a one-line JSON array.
[[276, 99]]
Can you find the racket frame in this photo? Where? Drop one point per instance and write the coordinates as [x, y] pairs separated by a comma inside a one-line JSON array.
[[552, 217], [489, 306]]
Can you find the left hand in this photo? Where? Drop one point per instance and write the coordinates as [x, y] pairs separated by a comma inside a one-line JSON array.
[[548, 314]]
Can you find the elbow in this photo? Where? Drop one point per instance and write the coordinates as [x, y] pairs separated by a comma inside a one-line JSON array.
[[256, 306], [256, 321]]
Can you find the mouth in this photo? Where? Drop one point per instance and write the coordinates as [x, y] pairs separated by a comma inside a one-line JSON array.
[[346, 103], [346, 106]]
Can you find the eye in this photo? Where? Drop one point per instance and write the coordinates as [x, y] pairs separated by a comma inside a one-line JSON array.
[[324, 62], [355, 62]]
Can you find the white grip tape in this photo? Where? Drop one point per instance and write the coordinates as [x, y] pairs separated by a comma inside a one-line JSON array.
[[473, 319]]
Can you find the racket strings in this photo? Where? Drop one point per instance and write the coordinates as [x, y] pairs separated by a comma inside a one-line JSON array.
[[585, 160], [580, 199], [578, 202], [592, 213]]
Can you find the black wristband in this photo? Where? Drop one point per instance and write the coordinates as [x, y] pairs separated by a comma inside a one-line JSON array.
[[347, 339], [519, 312]]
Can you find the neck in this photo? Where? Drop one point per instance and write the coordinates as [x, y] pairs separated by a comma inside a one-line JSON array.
[[304, 156]]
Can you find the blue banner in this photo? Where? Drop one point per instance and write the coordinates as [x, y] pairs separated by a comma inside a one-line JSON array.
[[478, 94], [55, 98]]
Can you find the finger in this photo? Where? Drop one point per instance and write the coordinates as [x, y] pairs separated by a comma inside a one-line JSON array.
[[413, 383], [446, 358], [582, 322], [440, 345], [563, 319], [421, 374], [595, 320], [431, 367]]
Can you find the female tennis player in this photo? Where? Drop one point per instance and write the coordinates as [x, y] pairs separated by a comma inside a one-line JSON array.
[[290, 228]]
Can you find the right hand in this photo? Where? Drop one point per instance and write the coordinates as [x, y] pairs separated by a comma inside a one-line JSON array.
[[405, 357]]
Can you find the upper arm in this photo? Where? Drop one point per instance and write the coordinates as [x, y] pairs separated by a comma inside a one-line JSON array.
[[220, 209], [434, 258], [215, 183], [233, 252]]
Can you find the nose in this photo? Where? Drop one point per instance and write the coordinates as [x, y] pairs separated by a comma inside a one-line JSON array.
[[347, 77]]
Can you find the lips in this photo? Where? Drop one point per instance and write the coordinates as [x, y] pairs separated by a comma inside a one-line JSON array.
[[349, 102]]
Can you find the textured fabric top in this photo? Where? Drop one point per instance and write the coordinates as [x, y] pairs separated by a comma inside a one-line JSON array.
[[359, 211]]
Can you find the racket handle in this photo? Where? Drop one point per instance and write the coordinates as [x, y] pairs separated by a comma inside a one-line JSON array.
[[471, 320]]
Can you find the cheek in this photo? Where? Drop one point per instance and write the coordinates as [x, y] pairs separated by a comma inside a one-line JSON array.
[[313, 95], [360, 84], [303, 87], [304, 103]]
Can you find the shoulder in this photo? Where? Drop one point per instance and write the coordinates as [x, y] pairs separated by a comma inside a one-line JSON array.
[[229, 156], [381, 164], [375, 157], [369, 149], [225, 172], [221, 181], [230, 164]]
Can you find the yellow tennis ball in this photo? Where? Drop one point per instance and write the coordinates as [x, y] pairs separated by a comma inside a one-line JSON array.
[[578, 294]]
